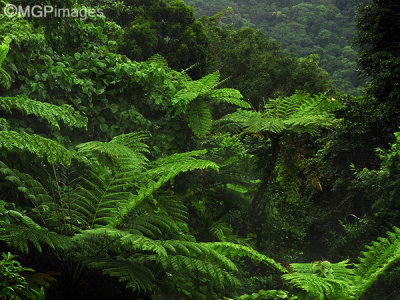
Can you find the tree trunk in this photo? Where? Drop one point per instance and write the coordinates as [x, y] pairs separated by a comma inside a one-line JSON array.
[[259, 203]]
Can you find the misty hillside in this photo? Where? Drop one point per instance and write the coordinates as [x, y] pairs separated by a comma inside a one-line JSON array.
[[323, 27]]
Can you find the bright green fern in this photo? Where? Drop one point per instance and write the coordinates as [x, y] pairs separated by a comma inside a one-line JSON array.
[[299, 113], [5, 79], [196, 96]]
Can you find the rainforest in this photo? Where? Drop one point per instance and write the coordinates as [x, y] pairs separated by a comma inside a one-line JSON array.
[[200, 149]]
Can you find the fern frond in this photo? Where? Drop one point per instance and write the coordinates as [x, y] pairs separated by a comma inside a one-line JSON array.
[[196, 89], [154, 226], [193, 267], [130, 242], [5, 79], [51, 113], [21, 232], [160, 172], [376, 261], [225, 125], [32, 189], [137, 277], [299, 113], [160, 61], [323, 280], [43, 148], [125, 151], [134, 141], [174, 207], [199, 118], [228, 95], [236, 250], [96, 200], [183, 259], [142, 243], [251, 121], [179, 162], [199, 251], [208, 82], [204, 89], [4, 48]]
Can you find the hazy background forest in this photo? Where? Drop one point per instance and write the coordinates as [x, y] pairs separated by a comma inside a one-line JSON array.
[[232, 149], [326, 28]]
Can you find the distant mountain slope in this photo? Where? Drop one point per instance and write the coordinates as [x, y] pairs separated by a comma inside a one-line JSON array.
[[323, 27]]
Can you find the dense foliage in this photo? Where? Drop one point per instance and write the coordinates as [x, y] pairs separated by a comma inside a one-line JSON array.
[[308, 27], [147, 154]]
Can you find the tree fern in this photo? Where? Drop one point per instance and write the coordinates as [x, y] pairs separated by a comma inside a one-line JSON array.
[[4, 47], [195, 97], [155, 226], [195, 89], [148, 241], [25, 183], [174, 256], [42, 148], [174, 207], [236, 250], [96, 200], [160, 172], [137, 276], [21, 232], [160, 61], [281, 118], [53, 114], [325, 280], [191, 266], [322, 280], [5, 79], [199, 118], [380, 256], [299, 113], [125, 151]]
